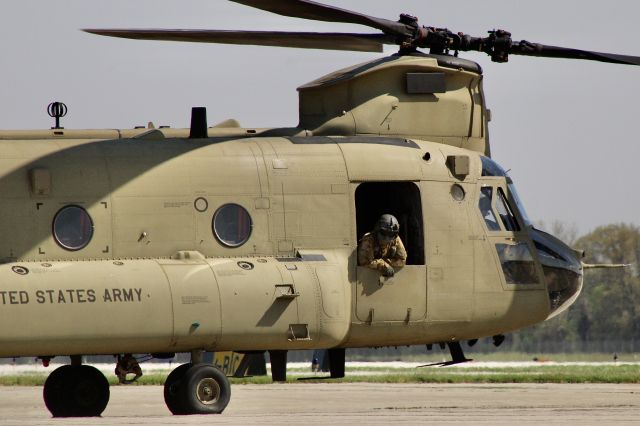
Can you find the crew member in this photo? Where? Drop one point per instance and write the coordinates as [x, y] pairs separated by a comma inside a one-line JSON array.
[[382, 249], [127, 364]]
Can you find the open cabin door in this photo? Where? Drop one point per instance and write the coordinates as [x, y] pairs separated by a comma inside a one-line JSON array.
[[404, 296]]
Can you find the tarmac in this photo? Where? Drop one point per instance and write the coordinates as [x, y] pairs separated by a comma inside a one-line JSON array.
[[357, 403]]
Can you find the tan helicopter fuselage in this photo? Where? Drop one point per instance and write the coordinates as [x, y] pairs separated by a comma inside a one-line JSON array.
[[155, 278], [158, 273]]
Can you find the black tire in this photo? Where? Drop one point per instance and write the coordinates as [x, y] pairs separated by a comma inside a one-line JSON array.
[[76, 391], [172, 389], [205, 390], [54, 391]]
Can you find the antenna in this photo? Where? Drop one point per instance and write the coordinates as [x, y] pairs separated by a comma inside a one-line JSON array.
[[57, 110]]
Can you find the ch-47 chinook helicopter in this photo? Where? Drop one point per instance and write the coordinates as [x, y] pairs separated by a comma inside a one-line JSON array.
[[228, 238]]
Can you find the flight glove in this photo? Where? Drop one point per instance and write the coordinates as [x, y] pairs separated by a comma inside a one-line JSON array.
[[388, 271]]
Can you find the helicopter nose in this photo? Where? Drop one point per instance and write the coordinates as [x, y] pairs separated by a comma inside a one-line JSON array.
[[562, 268]]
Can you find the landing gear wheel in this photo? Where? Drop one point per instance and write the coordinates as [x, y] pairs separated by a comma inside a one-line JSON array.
[[204, 390], [76, 391], [172, 387]]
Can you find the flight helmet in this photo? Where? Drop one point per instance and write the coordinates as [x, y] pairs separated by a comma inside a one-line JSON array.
[[387, 228]]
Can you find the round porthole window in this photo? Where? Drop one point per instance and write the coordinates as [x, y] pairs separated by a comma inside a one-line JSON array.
[[457, 192], [232, 225], [72, 228]]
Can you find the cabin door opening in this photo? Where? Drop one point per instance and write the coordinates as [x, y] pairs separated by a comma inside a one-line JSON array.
[[404, 296]]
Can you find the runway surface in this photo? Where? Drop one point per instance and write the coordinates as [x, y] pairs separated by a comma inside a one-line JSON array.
[[357, 403]]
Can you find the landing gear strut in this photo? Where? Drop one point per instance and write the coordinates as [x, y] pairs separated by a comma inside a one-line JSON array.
[[76, 391], [196, 389], [336, 362], [278, 365]]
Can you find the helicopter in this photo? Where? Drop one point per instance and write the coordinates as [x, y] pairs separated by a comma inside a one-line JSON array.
[[228, 238]]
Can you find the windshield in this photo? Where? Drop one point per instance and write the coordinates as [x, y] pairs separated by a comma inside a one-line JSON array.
[[519, 205], [486, 194], [491, 168]]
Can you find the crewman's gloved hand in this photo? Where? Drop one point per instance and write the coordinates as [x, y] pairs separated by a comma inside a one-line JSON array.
[[388, 271]]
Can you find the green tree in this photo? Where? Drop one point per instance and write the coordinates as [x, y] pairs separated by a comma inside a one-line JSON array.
[[612, 296]]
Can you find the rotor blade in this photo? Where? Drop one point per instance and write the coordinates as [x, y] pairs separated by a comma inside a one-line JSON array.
[[319, 12], [535, 49], [304, 40]]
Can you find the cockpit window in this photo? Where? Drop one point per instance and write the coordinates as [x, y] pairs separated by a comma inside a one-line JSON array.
[[506, 213], [491, 168], [517, 263], [486, 195], [544, 251], [518, 201]]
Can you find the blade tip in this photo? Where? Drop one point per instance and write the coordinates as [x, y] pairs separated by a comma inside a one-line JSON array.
[[92, 31]]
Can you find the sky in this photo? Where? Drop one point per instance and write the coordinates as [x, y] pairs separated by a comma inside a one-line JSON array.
[[566, 129]]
